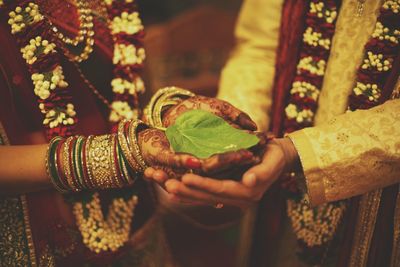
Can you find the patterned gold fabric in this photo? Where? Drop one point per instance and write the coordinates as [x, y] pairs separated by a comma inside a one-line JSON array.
[[352, 154], [351, 34], [369, 153], [247, 79], [16, 245], [346, 154]]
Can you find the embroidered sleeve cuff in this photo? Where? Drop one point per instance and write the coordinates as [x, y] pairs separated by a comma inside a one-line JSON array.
[[312, 172]]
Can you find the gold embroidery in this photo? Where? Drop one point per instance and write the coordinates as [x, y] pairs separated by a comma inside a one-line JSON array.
[[13, 251], [28, 231], [47, 258], [396, 234], [16, 244], [368, 210]]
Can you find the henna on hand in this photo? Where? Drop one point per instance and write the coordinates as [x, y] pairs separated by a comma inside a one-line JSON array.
[[157, 153], [213, 105]]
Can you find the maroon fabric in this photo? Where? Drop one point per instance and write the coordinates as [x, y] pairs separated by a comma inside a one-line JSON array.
[[291, 32], [391, 80], [271, 210], [51, 218]]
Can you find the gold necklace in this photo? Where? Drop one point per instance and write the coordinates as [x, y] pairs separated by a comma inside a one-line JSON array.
[[85, 34]]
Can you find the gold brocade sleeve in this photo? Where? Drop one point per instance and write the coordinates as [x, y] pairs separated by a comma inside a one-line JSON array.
[[351, 154], [247, 79]]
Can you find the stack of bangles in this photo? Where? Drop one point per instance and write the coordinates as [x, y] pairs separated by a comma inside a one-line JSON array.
[[96, 162]]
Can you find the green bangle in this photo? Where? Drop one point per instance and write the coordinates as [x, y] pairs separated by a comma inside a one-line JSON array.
[[130, 174], [52, 165], [137, 154], [76, 158]]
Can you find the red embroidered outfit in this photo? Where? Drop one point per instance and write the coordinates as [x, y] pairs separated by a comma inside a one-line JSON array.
[[44, 219]]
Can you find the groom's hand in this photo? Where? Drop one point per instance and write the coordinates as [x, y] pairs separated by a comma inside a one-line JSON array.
[[279, 156]]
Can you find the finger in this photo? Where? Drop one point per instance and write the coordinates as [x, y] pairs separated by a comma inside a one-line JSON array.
[[237, 116], [246, 122], [161, 176], [177, 160], [209, 203], [265, 172], [250, 180], [187, 201], [228, 160], [148, 173], [255, 175], [182, 191], [223, 188]]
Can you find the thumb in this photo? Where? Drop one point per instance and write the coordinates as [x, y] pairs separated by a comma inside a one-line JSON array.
[[255, 175]]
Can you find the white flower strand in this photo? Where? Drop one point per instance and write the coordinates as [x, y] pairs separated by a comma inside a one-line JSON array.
[[35, 48], [20, 18], [45, 82], [127, 23]]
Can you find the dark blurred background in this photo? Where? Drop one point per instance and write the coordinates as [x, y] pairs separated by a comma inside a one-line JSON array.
[[187, 44], [187, 41]]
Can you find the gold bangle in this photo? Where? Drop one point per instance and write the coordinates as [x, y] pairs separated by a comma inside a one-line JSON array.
[[99, 161], [164, 97], [123, 142], [90, 181], [135, 143], [113, 162]]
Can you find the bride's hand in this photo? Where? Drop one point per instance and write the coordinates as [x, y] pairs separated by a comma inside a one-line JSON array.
[[216, 106], [230, 164], [157, 154]]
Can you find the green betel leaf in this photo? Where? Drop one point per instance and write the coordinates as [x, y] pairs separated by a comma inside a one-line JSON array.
[[204, 134]]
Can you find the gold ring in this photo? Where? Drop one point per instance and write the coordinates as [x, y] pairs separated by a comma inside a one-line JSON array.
[[218, 205]]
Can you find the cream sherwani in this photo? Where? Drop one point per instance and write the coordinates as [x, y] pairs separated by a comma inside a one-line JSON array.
[[345, 154]]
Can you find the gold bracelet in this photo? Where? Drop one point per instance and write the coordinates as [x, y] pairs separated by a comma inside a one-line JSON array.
[[90, 181], [167, 96], [113, 158], [123, 142], [135, 143], [100, 161]]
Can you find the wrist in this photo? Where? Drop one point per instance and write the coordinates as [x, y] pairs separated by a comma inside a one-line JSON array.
[[292, 160]]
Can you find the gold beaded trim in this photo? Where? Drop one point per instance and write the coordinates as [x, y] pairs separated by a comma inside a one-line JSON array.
[[105, 234], [101, 165]]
